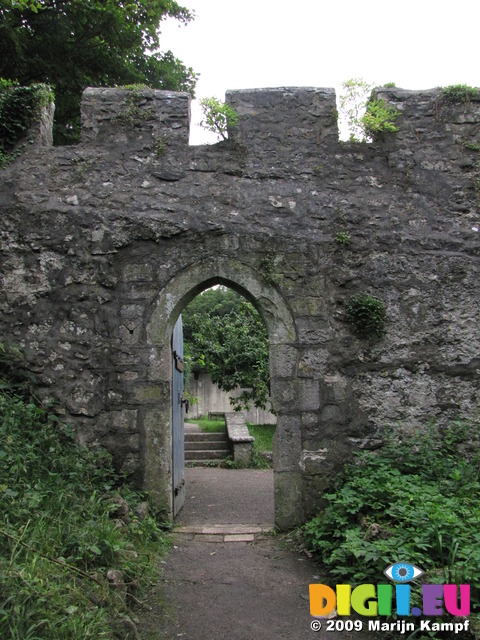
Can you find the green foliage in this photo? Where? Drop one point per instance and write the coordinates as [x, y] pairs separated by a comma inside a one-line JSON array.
[[225, 335], [210, 426], [367, 314], [378, 119], [353, 99], [263, 434], [342, 238], [160, 145], [472, 145], [459, 93], [19, 108], [267, 267], [367, 118], [58, 532], [132, 111], [218, 117], [417, 500], [105, 43]]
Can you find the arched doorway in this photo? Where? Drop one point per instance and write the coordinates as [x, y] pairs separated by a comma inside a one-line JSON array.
[[226, 382], [181, 289]]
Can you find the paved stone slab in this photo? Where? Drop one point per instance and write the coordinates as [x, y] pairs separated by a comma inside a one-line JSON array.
[[224, 529], [248, 537]]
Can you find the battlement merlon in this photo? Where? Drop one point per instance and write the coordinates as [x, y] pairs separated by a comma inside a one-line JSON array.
[[431, 117], [135, 117], [284, 116]]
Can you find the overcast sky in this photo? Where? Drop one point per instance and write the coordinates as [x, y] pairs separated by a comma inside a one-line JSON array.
[[418, 44]]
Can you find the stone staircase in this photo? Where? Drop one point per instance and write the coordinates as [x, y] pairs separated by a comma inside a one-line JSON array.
[[203, 448]]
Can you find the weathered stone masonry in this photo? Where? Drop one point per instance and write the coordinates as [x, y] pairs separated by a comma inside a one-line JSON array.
[[103, 244]]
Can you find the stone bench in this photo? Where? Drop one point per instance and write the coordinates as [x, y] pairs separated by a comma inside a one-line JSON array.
[[239, 437]]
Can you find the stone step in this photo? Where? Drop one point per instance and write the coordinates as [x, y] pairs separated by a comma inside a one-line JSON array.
[[193, 437], [225, 532], [207, 445], [212, 454]]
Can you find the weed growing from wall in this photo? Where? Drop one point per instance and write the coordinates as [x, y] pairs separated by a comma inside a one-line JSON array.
[[459, 94], [367, 315], [134, 111], [267, 267], [379, 119], [342, 237], [367, 117]]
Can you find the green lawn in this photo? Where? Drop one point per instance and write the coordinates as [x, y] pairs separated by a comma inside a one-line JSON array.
[[263, 434], [209, 426]]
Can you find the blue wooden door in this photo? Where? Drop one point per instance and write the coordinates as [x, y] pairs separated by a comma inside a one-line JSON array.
[[178, 447]]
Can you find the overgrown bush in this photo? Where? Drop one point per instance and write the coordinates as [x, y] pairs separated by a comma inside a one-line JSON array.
[[65, 522], [415, 500], [19, 107]]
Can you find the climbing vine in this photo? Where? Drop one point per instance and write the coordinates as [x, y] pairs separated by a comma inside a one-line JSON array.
[[19, 108]]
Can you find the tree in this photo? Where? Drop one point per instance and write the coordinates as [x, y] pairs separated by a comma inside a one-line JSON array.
[[218, 117], [72, 44], [225, 335]]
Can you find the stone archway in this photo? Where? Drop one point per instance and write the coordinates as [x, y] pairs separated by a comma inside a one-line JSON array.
[[171, 300]]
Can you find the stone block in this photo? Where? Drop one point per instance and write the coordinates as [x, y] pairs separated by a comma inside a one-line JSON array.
[[308, 395], [288, 499], [287, 443]]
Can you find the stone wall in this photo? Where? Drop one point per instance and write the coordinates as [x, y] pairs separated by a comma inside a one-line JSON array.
[[211, 399], [104, 244]]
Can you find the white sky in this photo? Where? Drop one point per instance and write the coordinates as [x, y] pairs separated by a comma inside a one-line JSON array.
[[418, 44]]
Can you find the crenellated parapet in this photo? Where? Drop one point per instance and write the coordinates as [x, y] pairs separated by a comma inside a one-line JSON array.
[[301, 118]]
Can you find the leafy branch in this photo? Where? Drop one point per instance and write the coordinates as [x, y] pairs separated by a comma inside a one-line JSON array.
[[218, 117]]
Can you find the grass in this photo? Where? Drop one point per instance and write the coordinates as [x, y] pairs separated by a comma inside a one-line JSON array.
[[209, 426], [263, 434], [66, 520]]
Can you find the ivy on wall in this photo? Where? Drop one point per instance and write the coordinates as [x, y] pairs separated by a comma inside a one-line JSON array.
[[19, 108]]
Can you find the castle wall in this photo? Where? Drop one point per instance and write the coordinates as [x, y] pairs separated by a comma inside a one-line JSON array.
[[104, 243]]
